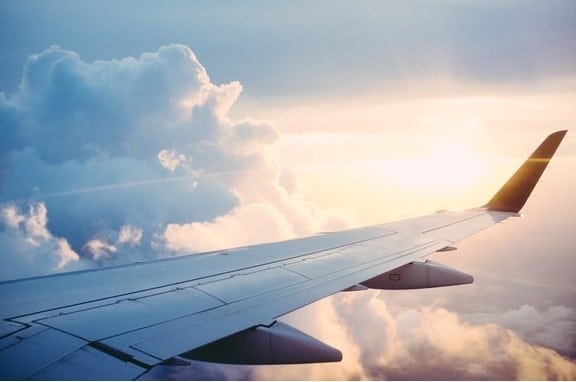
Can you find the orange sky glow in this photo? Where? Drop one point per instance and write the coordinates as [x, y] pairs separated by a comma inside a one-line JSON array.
[[416, 155]]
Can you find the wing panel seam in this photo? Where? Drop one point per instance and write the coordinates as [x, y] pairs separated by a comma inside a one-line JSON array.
[[455, 222]]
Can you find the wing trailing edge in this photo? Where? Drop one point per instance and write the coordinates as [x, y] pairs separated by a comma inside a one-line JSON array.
[[513, 194]]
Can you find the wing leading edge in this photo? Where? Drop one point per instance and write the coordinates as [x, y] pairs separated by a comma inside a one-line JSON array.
[[119, 322]]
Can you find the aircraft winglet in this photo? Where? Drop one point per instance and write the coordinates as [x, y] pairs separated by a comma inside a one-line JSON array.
[[513, 195]]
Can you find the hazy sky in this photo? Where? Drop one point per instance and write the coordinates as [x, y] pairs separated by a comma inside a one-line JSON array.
[[140, 129]]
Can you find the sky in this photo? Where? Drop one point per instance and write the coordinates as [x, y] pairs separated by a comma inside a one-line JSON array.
[[139, 130]]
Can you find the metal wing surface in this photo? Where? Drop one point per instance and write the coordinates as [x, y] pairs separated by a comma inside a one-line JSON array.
[[119, 322]]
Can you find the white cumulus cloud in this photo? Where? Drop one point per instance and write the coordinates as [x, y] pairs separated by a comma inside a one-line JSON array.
[[138, 158], [28, 248]]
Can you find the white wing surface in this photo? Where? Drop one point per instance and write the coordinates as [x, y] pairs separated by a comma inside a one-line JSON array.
[[118, 322]]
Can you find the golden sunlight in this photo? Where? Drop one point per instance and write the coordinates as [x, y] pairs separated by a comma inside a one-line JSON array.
[[388, 158], [450, 165]]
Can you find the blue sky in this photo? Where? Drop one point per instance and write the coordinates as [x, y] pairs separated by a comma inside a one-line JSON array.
[[309, 46], [140, 129]]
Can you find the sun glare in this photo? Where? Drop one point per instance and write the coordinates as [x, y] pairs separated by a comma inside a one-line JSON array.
[[449, 166]]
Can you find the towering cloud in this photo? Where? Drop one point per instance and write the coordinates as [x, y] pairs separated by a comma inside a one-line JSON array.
[[133, 159]]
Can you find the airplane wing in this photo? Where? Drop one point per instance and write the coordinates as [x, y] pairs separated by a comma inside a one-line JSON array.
[[223, 306]]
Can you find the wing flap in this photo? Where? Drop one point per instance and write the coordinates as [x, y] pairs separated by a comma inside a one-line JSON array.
[[8, 327], [131, 314], [89, 363], [22, 357]]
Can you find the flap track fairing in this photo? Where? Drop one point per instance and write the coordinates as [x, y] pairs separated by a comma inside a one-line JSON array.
[[276, 344], [418, 275]]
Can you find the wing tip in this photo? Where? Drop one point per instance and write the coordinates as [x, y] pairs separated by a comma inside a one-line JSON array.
[[515, 192]]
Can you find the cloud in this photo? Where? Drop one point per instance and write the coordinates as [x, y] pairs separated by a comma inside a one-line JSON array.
[[27, 245], [130, 235], [98, 249], [73, 110], [231, 230], [139, 158], [170, 159], [381, 342], [552, 327], [431, 342]]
